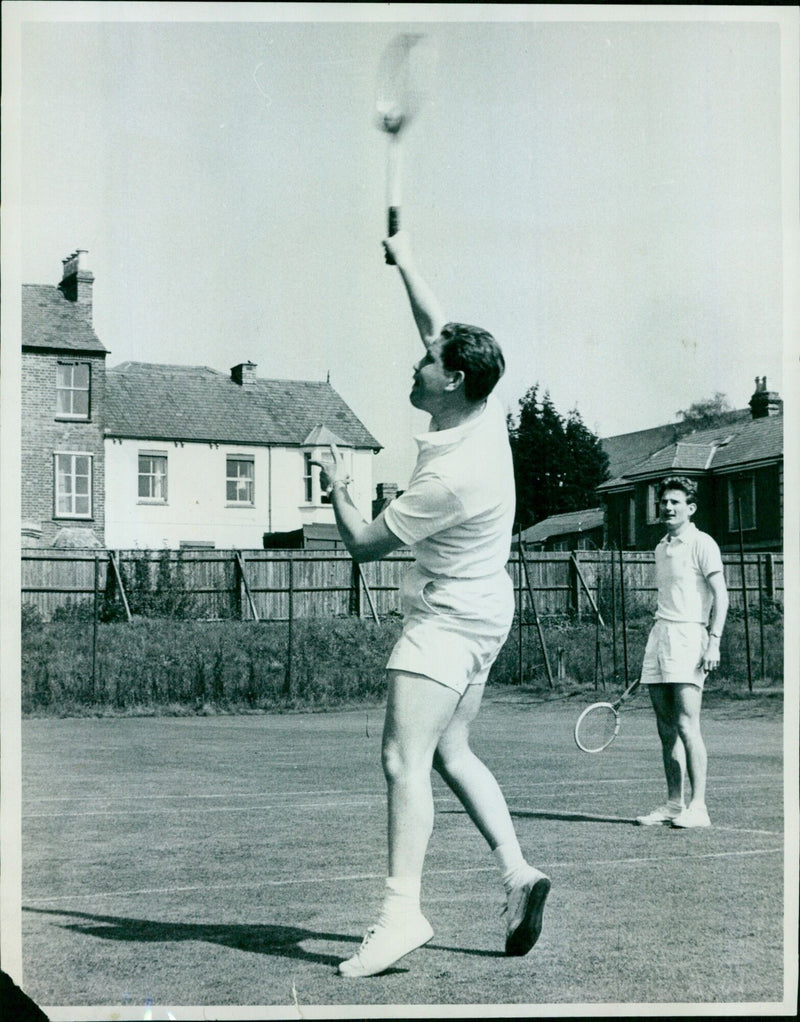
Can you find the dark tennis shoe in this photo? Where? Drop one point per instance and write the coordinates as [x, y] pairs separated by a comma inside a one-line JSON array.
[[525, 908]]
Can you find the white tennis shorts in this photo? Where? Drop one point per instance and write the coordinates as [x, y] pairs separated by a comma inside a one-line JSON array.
[[453, 628], [674, 654]]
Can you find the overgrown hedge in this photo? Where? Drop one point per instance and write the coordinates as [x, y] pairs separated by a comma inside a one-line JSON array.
[[167, 665]]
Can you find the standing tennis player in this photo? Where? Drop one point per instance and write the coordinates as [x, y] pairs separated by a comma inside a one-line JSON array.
[[456, 515], [682, 648]]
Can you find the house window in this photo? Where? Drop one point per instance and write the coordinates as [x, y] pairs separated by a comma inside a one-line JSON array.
[[632, 521], [153, 477], [308, 479], [653, 516], [72, 390], [73, 485], [742, 492], [239, 479]]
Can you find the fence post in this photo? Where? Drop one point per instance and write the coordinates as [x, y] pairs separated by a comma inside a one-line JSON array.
[[94, 626], [761, 618], [355, 589], [574, 590], [519, 603], [770, 577], [744, 595], [287, 682]]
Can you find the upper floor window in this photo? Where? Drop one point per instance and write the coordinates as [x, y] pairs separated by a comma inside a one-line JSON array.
[[308, 479], [239, 479], [742, 494], [72, 390], [73, 485], [152, 477]]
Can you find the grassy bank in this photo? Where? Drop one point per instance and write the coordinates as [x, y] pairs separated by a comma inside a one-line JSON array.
[[170, 666]]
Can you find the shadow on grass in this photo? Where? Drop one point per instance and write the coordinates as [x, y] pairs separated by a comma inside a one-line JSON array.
[[263, 939], [574, 817], [530, 814]]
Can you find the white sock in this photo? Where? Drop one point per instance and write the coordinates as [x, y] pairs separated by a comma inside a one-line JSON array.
[[512, 864], [675, 803], [401, 899]]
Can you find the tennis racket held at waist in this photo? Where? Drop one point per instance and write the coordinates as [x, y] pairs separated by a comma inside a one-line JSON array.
[[598, 725]]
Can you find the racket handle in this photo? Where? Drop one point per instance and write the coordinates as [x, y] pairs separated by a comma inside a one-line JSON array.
[[393, 226]]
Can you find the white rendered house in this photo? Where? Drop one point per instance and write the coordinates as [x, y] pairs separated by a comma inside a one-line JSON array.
[[195, 457]]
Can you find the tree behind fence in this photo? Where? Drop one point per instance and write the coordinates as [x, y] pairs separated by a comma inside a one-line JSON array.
[[221, 584]]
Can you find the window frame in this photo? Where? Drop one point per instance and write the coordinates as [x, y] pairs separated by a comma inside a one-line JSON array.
[[653, 512], [161, 456], [631, 516], [308, 478], [72, 416], [246, 459], [734, 485], [73, 475]]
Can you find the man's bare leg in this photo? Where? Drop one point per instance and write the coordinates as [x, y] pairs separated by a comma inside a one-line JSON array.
[[418, 710], [478, 791]]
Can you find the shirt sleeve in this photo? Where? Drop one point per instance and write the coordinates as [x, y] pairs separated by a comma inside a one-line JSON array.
[[709, 558], [425, 508]]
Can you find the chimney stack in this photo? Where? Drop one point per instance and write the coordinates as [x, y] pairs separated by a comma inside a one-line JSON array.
[[77, 280], [244, 374], [764, 402], [385, 493]]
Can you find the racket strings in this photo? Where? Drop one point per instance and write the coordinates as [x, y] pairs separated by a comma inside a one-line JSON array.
[[597, 728]]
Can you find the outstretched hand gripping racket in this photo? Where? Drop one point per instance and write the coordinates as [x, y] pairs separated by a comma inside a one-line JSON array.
[[598, 725], [405, 73]]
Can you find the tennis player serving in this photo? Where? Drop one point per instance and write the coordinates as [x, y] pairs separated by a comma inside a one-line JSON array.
[[456, 515], [682, 648]]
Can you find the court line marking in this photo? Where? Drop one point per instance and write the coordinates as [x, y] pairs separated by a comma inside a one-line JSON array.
[[564, 864], [749, 780]]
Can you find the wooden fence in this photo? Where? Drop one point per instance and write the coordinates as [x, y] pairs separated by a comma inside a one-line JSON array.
[[282, 584]]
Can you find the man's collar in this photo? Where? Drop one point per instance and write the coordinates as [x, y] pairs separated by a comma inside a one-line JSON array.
[[684, 535], [445, 437]]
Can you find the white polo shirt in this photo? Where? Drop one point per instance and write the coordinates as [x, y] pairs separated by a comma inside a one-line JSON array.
[[683, 564], [457, 513]]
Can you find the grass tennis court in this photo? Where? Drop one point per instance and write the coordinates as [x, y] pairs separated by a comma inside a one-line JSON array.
[[235, 860]]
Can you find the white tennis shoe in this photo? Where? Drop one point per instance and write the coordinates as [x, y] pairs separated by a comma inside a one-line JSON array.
[[383, 946], [524, 909], [692, 816], [660, 816]]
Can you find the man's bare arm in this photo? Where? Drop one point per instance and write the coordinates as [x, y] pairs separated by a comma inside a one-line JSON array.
[[719, 613], [424, 305], [365, 541]]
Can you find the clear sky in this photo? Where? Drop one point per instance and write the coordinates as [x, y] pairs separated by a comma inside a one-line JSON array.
[[603, 195]]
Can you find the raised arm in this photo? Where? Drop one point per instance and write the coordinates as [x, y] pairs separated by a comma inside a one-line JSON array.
[[427, 314]]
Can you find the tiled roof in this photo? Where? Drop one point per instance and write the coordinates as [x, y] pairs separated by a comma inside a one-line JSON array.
[[153, 401], [49, 320], [628, 449], [559, 525], [725, 446], [756, 440]]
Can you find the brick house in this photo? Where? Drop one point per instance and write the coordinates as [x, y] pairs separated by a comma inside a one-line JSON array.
[[62, 400], [736, 464], [152, 455]]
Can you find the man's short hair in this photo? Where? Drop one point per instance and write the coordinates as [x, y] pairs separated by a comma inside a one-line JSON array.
[[476, 354], [689, 487]]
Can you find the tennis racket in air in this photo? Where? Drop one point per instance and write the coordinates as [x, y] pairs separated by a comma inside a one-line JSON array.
[[405, 73], [598, 725]]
